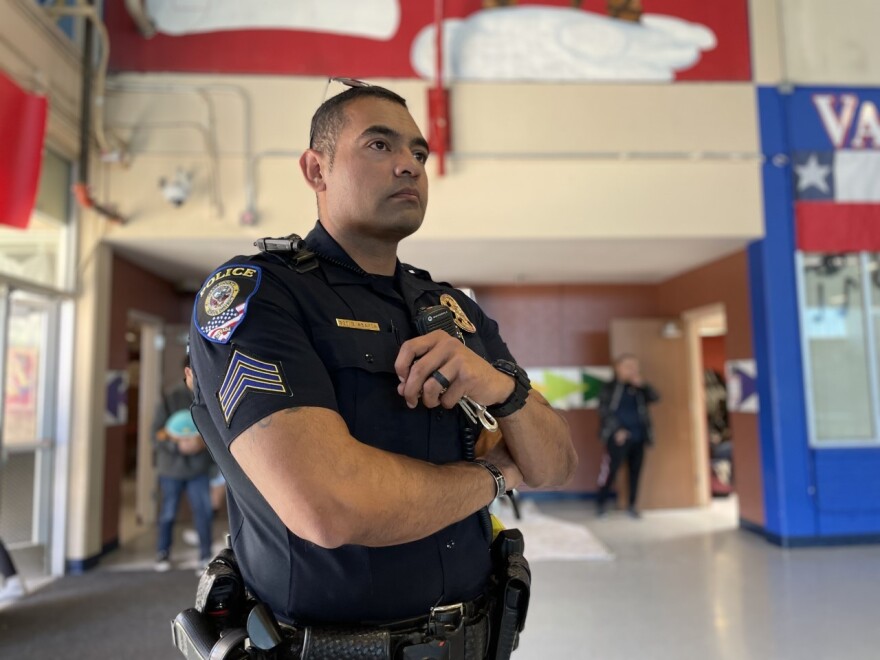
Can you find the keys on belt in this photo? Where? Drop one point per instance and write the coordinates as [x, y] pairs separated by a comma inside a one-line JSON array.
[[478, 413]]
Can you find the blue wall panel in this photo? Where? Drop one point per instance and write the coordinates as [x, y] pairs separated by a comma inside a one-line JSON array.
[[810, 495], [788, 484], [848, 480]]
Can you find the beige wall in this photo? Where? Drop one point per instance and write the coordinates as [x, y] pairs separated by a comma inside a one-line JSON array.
[[639, 160], [830, 43]]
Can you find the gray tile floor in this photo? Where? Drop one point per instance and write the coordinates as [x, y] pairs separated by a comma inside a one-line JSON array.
[[688, 585], [684, 585]]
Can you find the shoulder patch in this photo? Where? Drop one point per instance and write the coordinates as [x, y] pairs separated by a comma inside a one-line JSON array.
[[222, 302], [244, 373]]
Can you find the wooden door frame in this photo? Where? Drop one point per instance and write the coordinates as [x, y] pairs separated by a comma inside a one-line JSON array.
[[692, 320], [152, 345]]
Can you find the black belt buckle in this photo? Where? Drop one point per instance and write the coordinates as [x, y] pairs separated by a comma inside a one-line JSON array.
[[447, 623]]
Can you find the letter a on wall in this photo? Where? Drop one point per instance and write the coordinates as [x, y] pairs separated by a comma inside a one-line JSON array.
[[22, 128]]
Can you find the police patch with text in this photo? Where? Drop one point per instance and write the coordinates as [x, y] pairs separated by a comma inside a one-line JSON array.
[[246, 373], [222, 301]]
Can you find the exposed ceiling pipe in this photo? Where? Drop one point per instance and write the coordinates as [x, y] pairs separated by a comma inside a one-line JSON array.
[[141, 18], [86, 9], [204, 92], [81, 187], [249, 217], [205, 133]]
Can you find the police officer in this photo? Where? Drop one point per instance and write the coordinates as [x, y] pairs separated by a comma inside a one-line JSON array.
[[335, 423]]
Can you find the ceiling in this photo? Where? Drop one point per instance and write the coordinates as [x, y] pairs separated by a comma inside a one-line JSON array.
[[469, 263]]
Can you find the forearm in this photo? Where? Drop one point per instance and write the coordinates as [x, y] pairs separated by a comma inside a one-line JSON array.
[[539, 439], [393, 499], [328, 488]]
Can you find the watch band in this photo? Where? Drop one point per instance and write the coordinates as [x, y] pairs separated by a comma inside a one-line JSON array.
[[521, 387], [500, 484]]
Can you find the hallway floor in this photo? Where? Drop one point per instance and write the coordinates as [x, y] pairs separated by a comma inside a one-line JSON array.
[[683, 585], [689, 585]]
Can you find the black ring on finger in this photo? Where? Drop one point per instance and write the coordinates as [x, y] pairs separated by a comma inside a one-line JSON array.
[[440, 378]]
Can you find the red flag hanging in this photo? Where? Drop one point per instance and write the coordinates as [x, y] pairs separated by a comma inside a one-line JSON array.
[[22, 129]]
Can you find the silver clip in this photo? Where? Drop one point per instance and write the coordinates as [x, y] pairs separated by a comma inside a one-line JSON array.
[[478, 414]]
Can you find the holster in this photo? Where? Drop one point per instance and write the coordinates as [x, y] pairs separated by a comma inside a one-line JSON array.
[[513, 581]]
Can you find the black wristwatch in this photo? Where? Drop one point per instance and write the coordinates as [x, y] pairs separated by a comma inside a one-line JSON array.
[[517, 398]]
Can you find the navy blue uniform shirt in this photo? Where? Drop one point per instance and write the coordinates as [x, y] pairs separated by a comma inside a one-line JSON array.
[[265, 338]]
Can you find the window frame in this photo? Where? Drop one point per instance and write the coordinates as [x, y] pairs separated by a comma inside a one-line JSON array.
[[871, 356]]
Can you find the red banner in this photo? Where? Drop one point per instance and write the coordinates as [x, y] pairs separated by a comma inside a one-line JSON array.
[[22, 128]]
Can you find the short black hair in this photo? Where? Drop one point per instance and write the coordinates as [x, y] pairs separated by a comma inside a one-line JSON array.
[[328, 120], [186, 361]]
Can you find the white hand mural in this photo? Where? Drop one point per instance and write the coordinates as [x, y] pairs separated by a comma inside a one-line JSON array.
[[552, 43]]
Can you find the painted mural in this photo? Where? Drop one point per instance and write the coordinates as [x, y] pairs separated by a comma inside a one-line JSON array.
[[835, 153], [484, 40]]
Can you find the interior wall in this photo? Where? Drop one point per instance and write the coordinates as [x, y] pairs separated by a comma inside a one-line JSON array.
[[133, 290], [37, 55], [726, 281], [714, 353], [562, 326], [568, 325], [583, 160], [829, 42]]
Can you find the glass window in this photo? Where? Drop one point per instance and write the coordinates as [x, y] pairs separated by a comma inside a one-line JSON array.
[[837, 349], [39, 252]]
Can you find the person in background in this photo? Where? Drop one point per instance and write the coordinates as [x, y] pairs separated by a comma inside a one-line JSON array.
[[625, 428], [183, 464], [13, 588]]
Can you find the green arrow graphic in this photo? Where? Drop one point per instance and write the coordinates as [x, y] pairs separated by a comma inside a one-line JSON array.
[[592, 386], [557, 387]]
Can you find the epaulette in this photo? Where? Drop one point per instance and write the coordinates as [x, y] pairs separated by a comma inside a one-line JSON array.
[[292, 250], [423, 275]]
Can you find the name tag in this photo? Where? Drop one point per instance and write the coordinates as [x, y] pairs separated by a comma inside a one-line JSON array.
[[358, 325]]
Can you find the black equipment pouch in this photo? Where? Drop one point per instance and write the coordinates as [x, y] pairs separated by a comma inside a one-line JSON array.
[[513, 580]]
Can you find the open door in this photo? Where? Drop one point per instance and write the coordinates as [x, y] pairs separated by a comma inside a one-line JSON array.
[[670, 478]]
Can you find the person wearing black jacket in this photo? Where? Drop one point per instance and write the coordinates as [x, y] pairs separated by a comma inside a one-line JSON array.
[[625, 427]]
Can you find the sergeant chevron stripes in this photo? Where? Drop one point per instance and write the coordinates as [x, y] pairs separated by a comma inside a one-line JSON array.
[[245, 372]]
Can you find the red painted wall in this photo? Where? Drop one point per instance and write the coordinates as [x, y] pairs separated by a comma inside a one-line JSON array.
[[290, 52]]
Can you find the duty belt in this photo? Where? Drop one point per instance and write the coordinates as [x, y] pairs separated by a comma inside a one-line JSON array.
[[455, 632]]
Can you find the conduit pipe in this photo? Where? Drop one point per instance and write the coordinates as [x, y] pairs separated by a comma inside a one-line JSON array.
[[81, 188], [86, 10], [204, 132], [203, 92], [141, 18], [249, 217]]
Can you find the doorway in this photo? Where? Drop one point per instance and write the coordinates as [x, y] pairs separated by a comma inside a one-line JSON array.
[[705, 330], [145, 344], [29, 363]]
